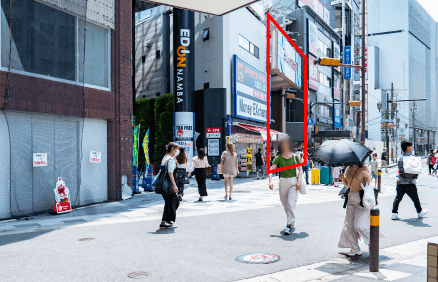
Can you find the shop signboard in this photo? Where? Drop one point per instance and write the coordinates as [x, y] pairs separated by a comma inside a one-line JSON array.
[[286, 61], [336, 86], [249, 92], [325, 120], [183, 125], [248, 159], [347, 61], [213, 132], [213, 148], [313, 74], [313, 38], [337, 54], [39, 159], [318, 7], [337, 115], [356, 57], [95, 157]]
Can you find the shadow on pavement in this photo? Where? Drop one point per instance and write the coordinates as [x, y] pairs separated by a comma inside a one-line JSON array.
[[418, 222], [15, 238], [164, 230], [292, 236]]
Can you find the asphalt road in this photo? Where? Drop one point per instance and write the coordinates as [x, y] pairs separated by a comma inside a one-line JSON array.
[[204, 247]]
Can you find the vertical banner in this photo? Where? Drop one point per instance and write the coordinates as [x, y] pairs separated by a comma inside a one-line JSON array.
[[184, 131], [347, 61], [313, 74], [336, 86], [357, 44], [184, 59], [135, 147], [145, 145], [337, 54], [337, 116], [313, 38]]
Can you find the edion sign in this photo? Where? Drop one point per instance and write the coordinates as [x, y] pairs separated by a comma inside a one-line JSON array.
[[303, 58]]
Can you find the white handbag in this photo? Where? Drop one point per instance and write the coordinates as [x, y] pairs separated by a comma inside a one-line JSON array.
[[369, 198], [303, 189], [412, 165]]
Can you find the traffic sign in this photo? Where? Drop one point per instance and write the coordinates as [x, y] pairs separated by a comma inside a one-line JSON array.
[[347, 61], [213, 132], [310, 121]]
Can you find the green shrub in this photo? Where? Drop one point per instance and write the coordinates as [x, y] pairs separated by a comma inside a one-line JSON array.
[[164, 125]]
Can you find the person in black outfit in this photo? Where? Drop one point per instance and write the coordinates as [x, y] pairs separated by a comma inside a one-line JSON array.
[[384, 160], [171, 201], [260, 163], [199, 165]]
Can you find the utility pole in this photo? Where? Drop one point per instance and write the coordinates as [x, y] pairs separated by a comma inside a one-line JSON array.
[[386, 122], [344, 88], [413, 125], [363, 73]]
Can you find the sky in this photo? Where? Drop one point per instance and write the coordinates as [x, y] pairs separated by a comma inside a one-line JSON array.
[[431, 6]]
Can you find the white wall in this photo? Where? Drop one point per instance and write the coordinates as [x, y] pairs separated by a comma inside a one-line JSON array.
[[5, 189], [94, 176]]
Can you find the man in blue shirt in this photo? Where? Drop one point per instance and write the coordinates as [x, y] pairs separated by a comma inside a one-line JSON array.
[[406, 184]]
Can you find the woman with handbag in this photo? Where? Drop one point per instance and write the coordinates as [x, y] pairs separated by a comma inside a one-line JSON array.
[[357, 219], [199, 164], [290, 181], [182, 164], [171, 201], [229, 167]]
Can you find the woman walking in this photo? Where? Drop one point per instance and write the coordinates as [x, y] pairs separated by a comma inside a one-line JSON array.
[[199, 164], [290, 181], [336, 173], [357, 219], [229, 167], [180, 172], [171, 201]]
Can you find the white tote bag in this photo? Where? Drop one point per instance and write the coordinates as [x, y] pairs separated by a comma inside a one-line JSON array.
[[303, 189], [412, 165], [369, 198]]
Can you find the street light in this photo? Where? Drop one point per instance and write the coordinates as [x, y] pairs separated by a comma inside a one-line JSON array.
[[379, 106]]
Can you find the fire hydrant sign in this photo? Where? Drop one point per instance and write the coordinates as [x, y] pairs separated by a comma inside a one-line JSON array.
[[39, 159], [62, 197], [95, 157]]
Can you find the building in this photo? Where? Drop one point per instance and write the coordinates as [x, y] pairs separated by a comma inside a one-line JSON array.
[[402, 55], [54, 105], [311, 29]]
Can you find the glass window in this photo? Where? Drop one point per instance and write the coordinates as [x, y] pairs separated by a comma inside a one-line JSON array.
[[243, 43], [256, 51], [43, 39], [49, 42]]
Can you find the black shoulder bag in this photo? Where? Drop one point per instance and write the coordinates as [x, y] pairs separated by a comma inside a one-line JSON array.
[[164, 185]]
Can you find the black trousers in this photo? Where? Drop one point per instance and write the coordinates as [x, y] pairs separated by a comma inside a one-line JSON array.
[[200, 178], [430, 168], [171, 204], [411, 190], [306, 171]]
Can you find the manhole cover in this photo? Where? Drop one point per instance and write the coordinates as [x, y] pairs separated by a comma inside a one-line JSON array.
[[258, 258], [138, 274], [241, 191], [86, 239]]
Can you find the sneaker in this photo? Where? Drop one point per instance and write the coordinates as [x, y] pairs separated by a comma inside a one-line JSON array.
[[165, 225], [200, 199], [287, 230], [354, 252], [396, 217], [423, 213]]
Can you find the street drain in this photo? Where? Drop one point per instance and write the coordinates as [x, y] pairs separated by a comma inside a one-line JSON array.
[[241, 191], [138, 274], [258, 258], [86, 239]]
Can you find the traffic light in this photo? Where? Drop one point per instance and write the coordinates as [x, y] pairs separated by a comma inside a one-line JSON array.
[[328, 62], [354, 103]]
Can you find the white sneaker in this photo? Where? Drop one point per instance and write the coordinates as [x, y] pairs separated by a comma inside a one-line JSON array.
[[354, 252], [287, 230], [423, 213], [396, 217]]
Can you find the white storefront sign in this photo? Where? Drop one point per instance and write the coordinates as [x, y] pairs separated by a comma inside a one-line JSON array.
[[213, 148], [95, 157], [39, 159], [286, 61], [213, 133], [183, 125], [249, 92]]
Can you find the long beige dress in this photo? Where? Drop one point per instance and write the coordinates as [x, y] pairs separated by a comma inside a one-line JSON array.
[[357, 219]]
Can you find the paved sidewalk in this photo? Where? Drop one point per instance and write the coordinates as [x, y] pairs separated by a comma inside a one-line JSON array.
[[405, 262]]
